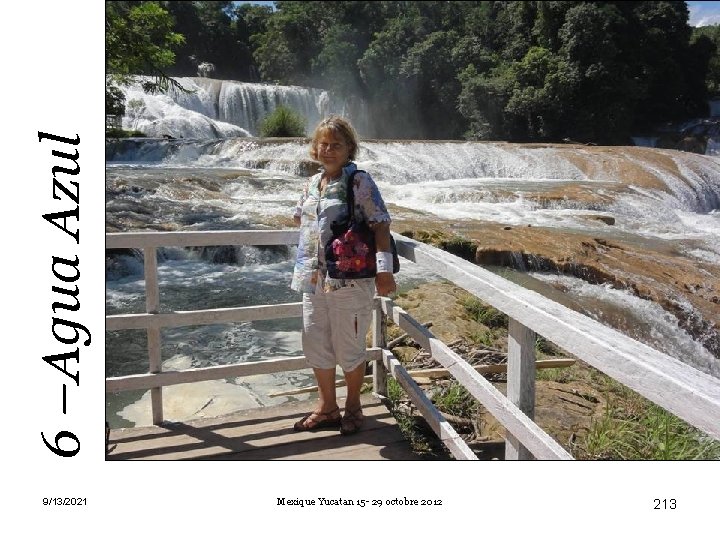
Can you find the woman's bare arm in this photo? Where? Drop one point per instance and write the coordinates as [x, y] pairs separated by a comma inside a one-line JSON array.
[[384, 281]]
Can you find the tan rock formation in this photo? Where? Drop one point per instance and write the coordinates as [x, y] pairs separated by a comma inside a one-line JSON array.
[[651, 271]]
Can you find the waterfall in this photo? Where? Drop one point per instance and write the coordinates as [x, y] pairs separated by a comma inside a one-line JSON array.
[[457, 172], [654, 193], [217, 109], [246, 104], [618, 217]]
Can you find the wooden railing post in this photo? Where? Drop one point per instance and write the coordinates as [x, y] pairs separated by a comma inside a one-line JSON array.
[[520, 381], [379, 339], [152, 305], [686, 392]]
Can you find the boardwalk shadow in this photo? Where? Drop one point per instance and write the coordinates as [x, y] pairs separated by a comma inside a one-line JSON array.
[[268, 436]]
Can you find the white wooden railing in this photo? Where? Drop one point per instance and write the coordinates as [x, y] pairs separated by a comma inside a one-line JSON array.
[[677, 387]]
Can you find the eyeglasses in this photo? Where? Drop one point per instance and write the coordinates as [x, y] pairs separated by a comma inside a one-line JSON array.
[[334, 147]]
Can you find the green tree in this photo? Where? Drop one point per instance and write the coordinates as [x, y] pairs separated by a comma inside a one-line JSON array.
[[706, 46], [216, 41], [588, 71], [600, 106], [514, 22], [543, 88], [339, 51], [410, 68], [662, 62], [548, 21], [482, 100], [431, 66], [285, 51], [139, 40], [186, 22], [217, 32], [250, 20], [394, 109]]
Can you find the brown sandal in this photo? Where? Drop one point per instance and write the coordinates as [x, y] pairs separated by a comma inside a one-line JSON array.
[[352, 421], [318, 420]]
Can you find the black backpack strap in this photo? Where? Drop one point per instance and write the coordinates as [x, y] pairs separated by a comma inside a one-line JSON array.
[[350, 194]]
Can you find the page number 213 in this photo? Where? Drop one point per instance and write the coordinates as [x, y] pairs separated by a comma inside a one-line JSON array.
[[665, 504]]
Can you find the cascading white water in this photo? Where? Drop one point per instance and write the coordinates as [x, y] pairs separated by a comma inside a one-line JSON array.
[[215, 109], [176, 114], [496, 181], [655, 196], [638, 318], [246, 104]]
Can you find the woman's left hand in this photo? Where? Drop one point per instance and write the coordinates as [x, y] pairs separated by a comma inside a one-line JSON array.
[[385, 283]]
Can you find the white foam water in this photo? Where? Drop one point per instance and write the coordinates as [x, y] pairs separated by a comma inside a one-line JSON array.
[[491, 182], [640, 319], [238, 182], [210, 108], [188, 282], [159, 115]]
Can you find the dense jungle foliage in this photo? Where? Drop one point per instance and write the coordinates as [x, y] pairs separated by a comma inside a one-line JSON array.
[[520, 71]]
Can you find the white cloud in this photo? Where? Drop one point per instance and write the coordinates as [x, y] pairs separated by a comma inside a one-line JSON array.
[[707, 21], [704, 13]]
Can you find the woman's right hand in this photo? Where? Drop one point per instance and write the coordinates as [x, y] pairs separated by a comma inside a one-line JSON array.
[[385, 283]]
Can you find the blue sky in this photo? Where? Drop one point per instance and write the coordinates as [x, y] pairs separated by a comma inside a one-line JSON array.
[[271, 3], [701, 13], [704, 13]]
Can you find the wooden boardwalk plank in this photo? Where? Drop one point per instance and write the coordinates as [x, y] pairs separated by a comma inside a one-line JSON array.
[[263, 434]]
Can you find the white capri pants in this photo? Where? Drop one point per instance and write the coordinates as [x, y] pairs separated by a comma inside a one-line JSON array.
[[335, 324]]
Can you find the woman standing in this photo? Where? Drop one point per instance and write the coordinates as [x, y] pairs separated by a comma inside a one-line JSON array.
[[337, 312]]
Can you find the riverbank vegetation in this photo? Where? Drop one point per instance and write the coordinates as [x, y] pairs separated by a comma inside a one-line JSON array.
[[595, 417], [519, 71], [607, 420], [283, 122]]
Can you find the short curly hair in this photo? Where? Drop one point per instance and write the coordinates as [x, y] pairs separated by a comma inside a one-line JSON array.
[[339, 127]]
